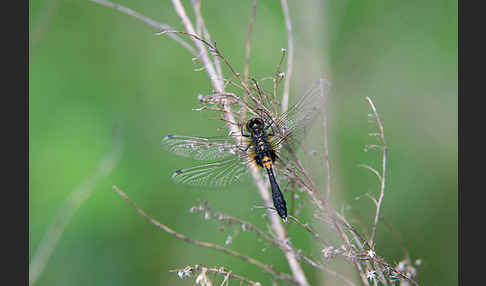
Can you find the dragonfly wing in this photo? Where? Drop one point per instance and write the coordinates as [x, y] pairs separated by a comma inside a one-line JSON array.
[[201, 148], [289, 128], [216, 174]]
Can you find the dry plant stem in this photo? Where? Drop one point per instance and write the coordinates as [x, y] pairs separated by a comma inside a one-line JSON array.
[[404, 277], [314, 192], [248, 41], [243, 109], [224, 217], [359, 240], [265, 267], [230, 219], [275, 80], [75, 200], [334, 273], [216, 81], [398, 238], [383, 170], [326, 158], [330, 210], [146, 20], [334, 216], [310, 230], [221, 271], [217, 52], [290, 58], [202, 30], [196, 4], [278, 228], [348, 244], [323, 268], [374, 172]]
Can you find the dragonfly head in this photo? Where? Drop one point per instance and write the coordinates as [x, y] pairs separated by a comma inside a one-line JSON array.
[[255, 125]]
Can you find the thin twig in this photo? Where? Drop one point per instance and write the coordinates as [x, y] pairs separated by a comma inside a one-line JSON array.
[[332, 272], [276, 80], [243, 109], [402, 275], [203, 30], [217, 52], [309, 229], [398, 237], [146, 20], [186, 271], [348, 245], [326, 156], [220, 216], [359, 218], [383, 170], [264, 267], [216, 81], [283, 245], [248, 40], [371, 169], [280, 232], [290, 58]]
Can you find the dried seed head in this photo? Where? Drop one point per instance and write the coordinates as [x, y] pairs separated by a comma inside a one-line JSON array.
[[371, 253], [203, 279], [371, 275], [229, 239]]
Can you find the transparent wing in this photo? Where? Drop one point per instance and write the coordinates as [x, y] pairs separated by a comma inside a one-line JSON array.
[[289, 128], [216, 174], [201, 148]]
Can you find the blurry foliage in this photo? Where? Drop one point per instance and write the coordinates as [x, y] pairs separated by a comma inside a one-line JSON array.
[[93, 67]]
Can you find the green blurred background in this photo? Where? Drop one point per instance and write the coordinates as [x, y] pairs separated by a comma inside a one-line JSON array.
[[92, 68]]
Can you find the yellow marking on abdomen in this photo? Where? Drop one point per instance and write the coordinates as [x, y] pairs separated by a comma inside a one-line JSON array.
[[267, 162]]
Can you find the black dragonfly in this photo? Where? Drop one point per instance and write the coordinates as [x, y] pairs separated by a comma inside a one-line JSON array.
[[270, 140]]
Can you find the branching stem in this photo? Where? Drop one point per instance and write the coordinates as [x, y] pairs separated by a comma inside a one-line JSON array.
[[264, 267], [383, 170]]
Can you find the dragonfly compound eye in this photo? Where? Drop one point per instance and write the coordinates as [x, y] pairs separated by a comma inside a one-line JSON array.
[[255, 124]]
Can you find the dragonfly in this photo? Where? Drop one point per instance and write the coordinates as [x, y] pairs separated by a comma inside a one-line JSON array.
[[268, 142]]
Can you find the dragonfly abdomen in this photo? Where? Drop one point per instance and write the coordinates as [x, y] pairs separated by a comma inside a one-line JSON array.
[[264, 157], [277, 196]]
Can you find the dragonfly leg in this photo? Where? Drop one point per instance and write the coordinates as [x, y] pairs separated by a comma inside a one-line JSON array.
[[243, 133], [271, 123], [244, 149]]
